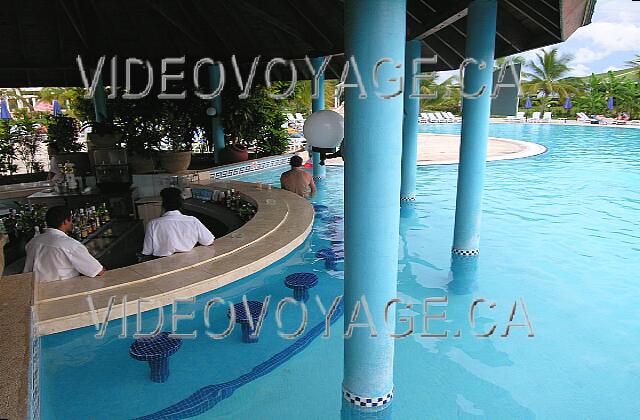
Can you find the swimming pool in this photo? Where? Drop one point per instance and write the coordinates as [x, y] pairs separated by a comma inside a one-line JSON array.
[[560, 232]]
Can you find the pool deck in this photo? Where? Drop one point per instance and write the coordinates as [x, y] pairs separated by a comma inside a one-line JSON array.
[[444, 149]]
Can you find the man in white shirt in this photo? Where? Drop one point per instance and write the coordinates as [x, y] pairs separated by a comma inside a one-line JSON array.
[[54, 255], [173, 231]]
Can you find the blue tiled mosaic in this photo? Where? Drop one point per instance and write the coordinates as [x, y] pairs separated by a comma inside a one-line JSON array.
[[255, 307], [252, 166], [301, 283], [156, 350], [206, 398]]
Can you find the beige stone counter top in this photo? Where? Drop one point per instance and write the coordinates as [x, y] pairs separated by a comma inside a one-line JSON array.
[[15, 325], [282, 222]]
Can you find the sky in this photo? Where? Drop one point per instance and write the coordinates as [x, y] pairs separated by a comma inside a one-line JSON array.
[[612, 38]]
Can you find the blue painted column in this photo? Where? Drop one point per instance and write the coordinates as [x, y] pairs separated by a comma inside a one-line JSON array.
[[217, 131], [374, 30], [410, 127], [319, 171], [481, 34]]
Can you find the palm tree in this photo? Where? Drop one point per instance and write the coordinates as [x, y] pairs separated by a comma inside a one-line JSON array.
[[634, 64], [546, 72]]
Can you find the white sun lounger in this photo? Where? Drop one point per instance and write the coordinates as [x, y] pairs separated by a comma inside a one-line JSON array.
[[433, 118], [423, 118], [442, 117], [519, 117], [582, 117], [546, 117], [452, 117], [535, 117]]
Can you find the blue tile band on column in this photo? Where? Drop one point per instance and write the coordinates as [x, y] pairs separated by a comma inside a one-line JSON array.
[[242, 318], [465, 252], [367, 402], [207, 397], [301, 283], [156, 350]]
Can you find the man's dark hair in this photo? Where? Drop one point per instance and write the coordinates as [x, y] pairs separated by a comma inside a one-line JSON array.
[[295, 161], [171, 199], [56, 216]]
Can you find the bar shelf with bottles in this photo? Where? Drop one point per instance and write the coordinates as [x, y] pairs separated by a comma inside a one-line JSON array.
[[230, 198], [113, 241]]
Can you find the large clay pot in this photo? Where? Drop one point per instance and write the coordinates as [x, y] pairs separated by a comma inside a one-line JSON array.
[[142, 164], [202, 161], [175, 162], [79, 159], [234, 153], [105, 141]]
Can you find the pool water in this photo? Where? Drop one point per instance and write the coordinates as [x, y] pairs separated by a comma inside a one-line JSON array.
[[560, 234]]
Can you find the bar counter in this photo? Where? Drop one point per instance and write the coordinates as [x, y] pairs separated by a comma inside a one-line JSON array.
[[282, 222]]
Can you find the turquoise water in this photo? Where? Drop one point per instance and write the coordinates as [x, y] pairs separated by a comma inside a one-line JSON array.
[[560, 232]]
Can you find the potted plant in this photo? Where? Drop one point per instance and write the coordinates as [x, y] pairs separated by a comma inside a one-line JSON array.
[[177, 131], [63, 140], [103, 135]]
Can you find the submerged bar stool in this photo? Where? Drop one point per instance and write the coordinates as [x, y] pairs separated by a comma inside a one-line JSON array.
[[255, 307], [333, 257], [301, 283], [156, 350]]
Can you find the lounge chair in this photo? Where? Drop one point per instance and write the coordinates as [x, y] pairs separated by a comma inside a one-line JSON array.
[[519, 117], [546, 117], [433, 118], [452, 117], [299, 118], [634, 122], [582, 117], [442, 117], [535, 117], [423, 118]]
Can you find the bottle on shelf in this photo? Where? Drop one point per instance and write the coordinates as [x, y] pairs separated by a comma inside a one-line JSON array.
[[105, 213]]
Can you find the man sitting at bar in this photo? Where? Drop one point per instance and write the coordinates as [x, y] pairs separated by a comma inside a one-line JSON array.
[[174, 232], [54, 255], [297, 180]]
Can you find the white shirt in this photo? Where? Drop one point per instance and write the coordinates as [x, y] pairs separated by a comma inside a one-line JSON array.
[[55, 256], [174, 232]]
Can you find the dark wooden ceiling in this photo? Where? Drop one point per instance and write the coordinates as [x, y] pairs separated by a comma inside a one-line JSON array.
[[40, 39]]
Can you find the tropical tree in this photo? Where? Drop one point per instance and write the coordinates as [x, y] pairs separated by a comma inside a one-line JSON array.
[[634, 64], [546, 73]]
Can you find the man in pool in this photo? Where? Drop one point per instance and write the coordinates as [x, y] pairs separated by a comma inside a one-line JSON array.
[[297, 180], [54, 255], [174, 232]]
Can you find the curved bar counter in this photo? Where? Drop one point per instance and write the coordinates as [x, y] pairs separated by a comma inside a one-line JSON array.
[[282, 222]]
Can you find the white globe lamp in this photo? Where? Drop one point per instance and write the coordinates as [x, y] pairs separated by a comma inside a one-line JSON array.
[[324, 131]]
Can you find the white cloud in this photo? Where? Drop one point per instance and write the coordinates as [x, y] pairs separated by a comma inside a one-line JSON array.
[[580, 70], [587, 55], [622, 11], [609, 37]]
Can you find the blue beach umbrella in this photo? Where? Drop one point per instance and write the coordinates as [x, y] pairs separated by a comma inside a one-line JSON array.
[[610, 103], [567, 103], [4, 110], [527, 104], [56, 108]]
